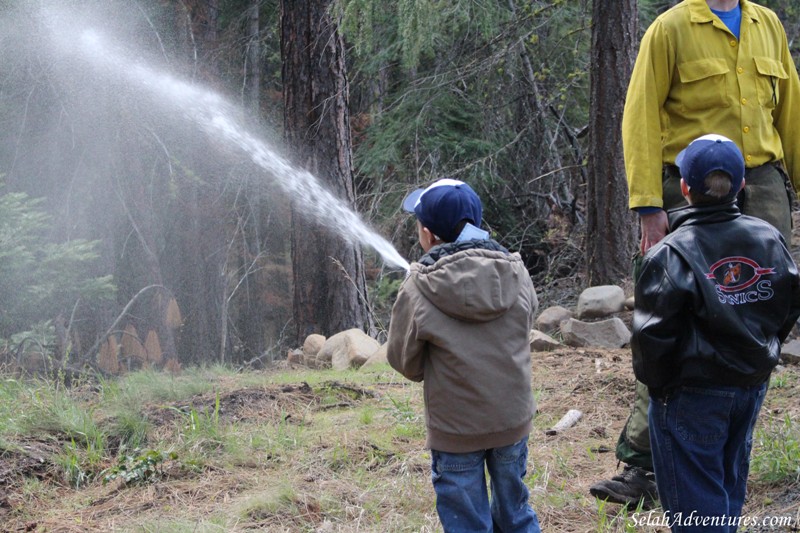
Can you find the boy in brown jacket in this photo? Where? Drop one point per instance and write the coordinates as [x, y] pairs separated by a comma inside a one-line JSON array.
[[461, 325]]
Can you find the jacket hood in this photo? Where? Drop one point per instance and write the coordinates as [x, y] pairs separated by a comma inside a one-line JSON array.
[[474, 283]]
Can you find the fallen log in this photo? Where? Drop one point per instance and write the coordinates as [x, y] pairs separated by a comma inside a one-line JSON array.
[[566, 422]]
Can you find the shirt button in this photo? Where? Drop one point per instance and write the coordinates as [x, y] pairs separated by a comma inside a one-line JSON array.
[[740, 70], [744, 101], [733, 43], [746, 129], [749, 157]]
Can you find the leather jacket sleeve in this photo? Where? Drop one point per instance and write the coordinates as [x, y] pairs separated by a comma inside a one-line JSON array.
[[663, 295]]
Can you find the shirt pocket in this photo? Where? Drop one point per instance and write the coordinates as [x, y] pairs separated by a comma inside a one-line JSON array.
[[769, 75], [703, 83]]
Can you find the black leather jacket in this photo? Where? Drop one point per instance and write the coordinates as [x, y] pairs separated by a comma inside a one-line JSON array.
[[715, 300]]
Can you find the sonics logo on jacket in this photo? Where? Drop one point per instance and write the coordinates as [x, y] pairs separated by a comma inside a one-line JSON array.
[[738, 280]]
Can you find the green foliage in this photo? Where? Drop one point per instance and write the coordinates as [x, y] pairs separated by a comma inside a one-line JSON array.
[[204, 421], [614, 518], [147, 466], [649, 10], [131, 428], [366, 416], [295, 467], [72, 466], [137, 388], [402, 411], [382, 295], [415, 30], [53, 410], [41, 279], [201, 432], [408, 422], [385, 290], [13, 415], [479, 91], [776, 454], [417, 21], [85, 448], [780, 380], [442, 108]]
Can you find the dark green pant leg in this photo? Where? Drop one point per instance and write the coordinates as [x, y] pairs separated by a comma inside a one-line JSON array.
[[633, 446], [671, 189], [766, 196]]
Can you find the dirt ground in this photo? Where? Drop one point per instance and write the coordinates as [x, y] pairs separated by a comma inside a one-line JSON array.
[[600, 384], [597, 382]]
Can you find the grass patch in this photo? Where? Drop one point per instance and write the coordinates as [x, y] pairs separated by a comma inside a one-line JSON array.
[[614, 518], [776, 451], [311, 450]]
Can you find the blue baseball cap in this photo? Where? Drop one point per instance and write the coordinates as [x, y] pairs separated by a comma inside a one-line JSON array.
[[443, 205], [709, 153]]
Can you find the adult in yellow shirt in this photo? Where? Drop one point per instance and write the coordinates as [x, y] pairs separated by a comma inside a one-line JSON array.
[[704, 66]]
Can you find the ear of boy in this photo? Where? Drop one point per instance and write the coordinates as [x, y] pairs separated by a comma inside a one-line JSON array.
[[427, 239], [685, 191]]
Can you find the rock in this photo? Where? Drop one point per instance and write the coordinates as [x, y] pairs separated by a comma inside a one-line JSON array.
[[295, 357], [629, 303], [600, 301], [611, 333], [551, 318], [542, 342], [790, 352], [313, 344], [376, 360], [347, 349]]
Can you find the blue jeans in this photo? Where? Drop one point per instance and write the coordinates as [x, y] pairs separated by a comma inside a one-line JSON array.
[[462, 499], [701, 439]]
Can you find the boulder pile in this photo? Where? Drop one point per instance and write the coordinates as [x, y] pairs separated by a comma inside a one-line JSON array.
[[600, 319], [591, 324]]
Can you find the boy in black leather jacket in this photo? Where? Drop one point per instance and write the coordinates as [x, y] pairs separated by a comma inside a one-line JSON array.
[[714, 301]]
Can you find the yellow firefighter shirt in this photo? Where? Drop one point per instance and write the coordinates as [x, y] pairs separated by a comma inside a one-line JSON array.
[[693, 77]]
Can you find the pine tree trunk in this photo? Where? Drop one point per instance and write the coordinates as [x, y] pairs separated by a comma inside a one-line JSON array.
[[252, 88], [611, 227], [328, 273]]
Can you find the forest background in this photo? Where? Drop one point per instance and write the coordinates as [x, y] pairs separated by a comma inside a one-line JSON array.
[[125, 230]]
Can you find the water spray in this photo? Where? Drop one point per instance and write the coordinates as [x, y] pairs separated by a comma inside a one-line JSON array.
[[216, 116]]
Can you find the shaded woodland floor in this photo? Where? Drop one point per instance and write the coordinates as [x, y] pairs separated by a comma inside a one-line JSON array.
[[299, 450]]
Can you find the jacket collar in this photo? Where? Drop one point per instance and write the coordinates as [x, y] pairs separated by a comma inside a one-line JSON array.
[[450, 248], [700, 12], [704, 214]]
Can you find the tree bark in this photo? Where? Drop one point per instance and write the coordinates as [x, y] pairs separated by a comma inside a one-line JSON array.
[[328, 273], [611, 228], [252, 71]]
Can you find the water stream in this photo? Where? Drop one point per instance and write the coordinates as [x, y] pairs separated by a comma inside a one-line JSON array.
[[217, 117]]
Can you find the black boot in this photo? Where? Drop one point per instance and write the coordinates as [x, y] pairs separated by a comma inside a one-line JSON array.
[[633, 485]]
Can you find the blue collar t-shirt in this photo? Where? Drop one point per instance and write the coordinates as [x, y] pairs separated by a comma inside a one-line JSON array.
[[732, 19]]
